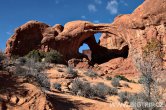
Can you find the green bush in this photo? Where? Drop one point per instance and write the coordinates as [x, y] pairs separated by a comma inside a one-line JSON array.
[[54, 57], [115, 82], [121, 77], [36, 55], [91, 74]]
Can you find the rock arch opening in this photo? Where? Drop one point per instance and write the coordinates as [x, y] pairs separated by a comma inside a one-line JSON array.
[[99, 54], [85, 50], [110, 54]]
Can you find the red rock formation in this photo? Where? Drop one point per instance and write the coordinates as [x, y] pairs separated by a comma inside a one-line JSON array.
[[26, 38], [88, 53], [134, 30], [111, 41]]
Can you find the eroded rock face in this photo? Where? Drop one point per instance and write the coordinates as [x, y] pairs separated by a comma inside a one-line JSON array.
[[111, 41], [26, 38], [133, 30]]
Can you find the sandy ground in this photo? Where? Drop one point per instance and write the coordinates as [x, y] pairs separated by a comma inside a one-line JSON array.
[[112, 102]]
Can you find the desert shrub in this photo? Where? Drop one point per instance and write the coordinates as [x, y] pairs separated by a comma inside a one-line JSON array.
[[113, 91], [123, 96], [33, 65], [85, 89], [109, 78], [54, 57], [21, 60], [115, 82], [101, 90], [82, 88], [43, 80], [19, 71], [57, 86], [91, 74], [121, 77], [72, 72], [140, 101], [36, 55], [33, 70]]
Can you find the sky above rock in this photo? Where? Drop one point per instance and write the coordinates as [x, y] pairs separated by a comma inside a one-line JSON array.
[[14, 13]]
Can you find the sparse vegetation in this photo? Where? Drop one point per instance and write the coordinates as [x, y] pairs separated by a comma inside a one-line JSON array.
[[33, 70], [140, 101], [101, 90], [91, 74], [36, 55], [72, 72], [113, 91], [115, 82], [82, 88], [121, 77], [123, 96], [54, 57], [149, 65], [21, 60], [85, 89]]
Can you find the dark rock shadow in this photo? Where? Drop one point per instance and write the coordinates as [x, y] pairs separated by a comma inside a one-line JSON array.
[[60, 103], [109, 54]]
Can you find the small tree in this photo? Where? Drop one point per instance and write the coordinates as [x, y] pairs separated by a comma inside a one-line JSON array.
[[149, 65]]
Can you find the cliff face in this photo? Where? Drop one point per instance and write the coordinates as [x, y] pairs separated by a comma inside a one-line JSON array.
[[134, 30]]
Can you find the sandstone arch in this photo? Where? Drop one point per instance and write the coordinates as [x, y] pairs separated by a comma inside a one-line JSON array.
[[136, 29]]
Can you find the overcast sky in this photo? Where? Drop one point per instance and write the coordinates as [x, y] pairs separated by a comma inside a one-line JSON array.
[[14, 13]]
